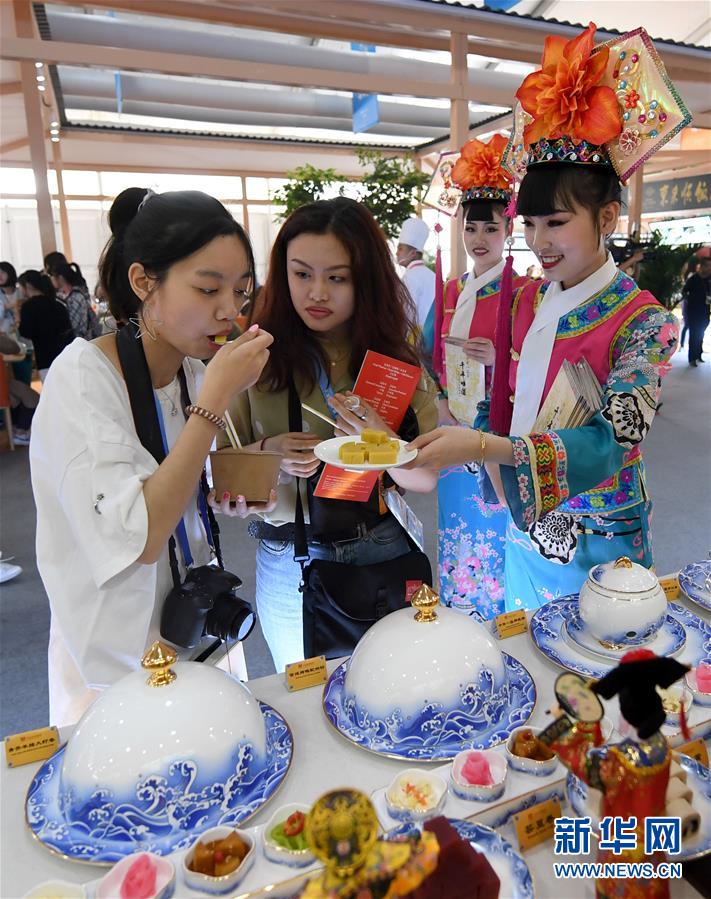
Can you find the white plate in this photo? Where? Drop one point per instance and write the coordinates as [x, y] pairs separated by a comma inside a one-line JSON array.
[[327, 451]]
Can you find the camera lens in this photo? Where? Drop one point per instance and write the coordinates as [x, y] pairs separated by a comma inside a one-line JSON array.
[[231, 618]]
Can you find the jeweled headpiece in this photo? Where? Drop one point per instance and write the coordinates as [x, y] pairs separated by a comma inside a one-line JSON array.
[[608, 105], [474, 173]]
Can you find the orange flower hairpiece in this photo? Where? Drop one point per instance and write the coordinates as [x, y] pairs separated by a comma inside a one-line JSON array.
[[480, 165], [565, 97]]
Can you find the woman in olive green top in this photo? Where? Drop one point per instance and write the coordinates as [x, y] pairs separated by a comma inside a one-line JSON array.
[[331, 294]]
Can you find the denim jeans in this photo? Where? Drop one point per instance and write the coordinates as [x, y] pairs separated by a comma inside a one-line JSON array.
[[279, 602]]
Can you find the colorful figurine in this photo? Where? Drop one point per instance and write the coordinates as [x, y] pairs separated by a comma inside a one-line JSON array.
[[633, 774]]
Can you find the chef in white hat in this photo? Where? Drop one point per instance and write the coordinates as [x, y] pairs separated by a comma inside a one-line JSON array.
[[419, 280]]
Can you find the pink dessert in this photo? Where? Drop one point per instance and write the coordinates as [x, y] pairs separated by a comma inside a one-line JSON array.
[[143, 876], [476, 770], [703, 677], [140, 879]]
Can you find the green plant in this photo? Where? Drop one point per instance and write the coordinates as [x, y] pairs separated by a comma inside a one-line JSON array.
[[390, 189], [305, 185], [662, 274]]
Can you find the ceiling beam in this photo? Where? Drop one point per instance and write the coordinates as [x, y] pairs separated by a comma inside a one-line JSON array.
[[10, 87], [284, 21], [68, 53]]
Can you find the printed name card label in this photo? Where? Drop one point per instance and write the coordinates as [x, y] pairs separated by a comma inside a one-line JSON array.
[[670, 586], [511, 623], [31, 746], [697, 749], [537, 824], [309, 673]]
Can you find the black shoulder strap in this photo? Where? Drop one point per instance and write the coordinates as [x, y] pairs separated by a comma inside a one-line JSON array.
[[301, 547], [140, 390], [143, 407]]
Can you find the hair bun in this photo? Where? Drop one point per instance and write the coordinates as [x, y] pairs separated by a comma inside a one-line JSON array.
[[124, 209]]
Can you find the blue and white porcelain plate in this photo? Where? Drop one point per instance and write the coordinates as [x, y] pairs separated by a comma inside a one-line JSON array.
[[669, 640], [437, 734], [698, 780], [547, 629], [695, 581], [511, 869], [111, 830]]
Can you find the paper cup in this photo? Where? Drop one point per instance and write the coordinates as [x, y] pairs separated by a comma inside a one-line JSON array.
[[246, 473]]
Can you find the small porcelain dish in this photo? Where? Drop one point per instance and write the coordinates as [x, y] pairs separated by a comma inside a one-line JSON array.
[[56, 889], [415, 795], [225, 883], [295, 858], [622, 604], [526, 765], [131, 875], [461, 787], [672, 698], [700, 697]]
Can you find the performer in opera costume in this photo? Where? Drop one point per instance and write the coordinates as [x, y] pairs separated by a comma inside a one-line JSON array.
[[576, 496], [472, 533], [633, 774]]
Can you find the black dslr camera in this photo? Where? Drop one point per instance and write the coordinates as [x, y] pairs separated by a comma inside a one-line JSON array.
[[206, 605]]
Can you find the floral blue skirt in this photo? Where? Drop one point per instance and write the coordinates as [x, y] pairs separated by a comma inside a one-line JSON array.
[[472, 539]]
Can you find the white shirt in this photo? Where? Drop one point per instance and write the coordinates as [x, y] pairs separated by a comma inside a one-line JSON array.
[[537, 346], [466, 302], [420, 282], [85, 453]]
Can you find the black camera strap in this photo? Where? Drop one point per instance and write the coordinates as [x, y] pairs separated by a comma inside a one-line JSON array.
[[145, 417]]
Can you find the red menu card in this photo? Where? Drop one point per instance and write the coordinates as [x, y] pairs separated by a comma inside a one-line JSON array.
[[387, 385]]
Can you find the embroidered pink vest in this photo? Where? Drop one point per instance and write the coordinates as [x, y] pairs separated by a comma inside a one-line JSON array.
[[596, 330]]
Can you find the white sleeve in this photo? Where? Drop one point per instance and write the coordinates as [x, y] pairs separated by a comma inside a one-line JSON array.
[[86, 457]]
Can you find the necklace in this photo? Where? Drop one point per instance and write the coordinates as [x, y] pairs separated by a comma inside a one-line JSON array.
[[338, 358], [173, 407]]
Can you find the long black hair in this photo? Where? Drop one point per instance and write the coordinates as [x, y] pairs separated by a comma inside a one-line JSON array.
[[11, 273], [383, 314], [554, 187], [38, 281], [158, 233]]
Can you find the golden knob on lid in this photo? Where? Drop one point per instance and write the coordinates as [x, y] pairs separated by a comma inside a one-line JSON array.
[[623, 562], [425, 600], [158, 660]]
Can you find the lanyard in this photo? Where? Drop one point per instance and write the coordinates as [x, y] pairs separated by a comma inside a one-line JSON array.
[[180, 530], [327, 390]]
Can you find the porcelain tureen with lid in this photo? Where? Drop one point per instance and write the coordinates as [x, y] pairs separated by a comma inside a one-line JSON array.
[[622, 603], [423, 686], [158, 759]]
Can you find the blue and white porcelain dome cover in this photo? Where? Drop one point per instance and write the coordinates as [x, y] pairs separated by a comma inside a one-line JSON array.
[[404, 663], [139, 731]]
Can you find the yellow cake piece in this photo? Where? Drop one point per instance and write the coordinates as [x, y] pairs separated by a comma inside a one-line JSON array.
[[352, 453], [221, 339], [370, 435], [383, 455]]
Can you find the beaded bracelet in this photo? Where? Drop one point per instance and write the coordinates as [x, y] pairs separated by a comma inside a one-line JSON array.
[[206, 414]]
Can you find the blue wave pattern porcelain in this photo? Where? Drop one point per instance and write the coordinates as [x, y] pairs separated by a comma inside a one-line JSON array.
[[669, 640], [486, 716], [695, 581], [166, 813], [516, 880], [698, 779], [548, 623]]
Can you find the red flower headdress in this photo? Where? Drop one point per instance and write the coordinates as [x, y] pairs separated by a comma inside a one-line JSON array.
[[479, 173], [611, 104]]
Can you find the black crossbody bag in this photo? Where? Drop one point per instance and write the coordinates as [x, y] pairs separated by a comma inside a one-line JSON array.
[[341, 601]]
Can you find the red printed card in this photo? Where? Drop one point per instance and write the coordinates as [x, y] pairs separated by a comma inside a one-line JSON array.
[[387, 385]]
